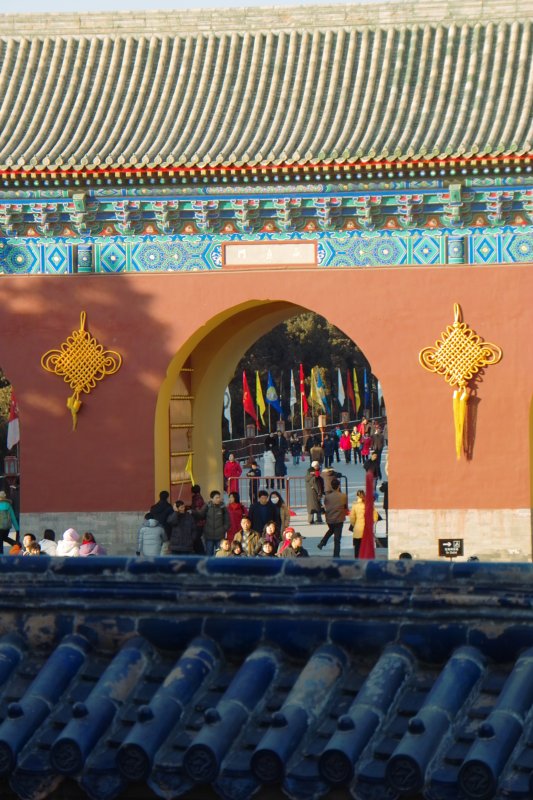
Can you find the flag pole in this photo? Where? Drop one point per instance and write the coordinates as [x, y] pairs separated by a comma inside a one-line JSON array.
[[332, 381], [303, 398], [281, 392], [338, 401], [313, 394]]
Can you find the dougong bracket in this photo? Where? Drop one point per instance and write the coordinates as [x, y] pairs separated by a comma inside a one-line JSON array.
[[81, 362]]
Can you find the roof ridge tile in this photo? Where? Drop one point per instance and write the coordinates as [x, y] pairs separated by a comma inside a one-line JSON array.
[[257, 19]]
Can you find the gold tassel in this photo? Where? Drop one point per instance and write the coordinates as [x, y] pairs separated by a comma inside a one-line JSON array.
[[458, 356], [460, 401], [74, 404]]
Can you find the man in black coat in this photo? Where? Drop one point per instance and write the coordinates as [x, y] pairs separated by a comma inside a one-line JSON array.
[[254, 473], [182, 530], [161, 511], [378, 443], [263, 511], [314, 491], [372, 465]]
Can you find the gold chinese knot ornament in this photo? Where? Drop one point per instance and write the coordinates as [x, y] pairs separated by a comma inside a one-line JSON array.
[[81, 362], [458, 356]]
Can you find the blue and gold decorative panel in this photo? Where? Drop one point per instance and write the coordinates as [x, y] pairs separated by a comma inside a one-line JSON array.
[[155, 256], [85, 258], [361, 250], [19, 258], [455, 249], [353, 248], [428, 249], [485, 248], [518, 247], [111, 257], [385, 250], [170, 254], [56, 259]]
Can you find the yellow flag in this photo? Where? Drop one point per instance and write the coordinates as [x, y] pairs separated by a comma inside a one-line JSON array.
[[356, 392], [313, 396], [259, 399], [188, 468]]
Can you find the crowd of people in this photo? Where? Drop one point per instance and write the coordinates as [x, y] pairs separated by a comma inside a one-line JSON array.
[[215, 529], [361, 443], [261, 527], [70, 544]]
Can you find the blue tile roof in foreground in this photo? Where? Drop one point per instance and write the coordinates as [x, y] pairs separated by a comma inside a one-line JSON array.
[[137, 678]]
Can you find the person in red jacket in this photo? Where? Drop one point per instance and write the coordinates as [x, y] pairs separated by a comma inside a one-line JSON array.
[[236, 512], [363, 426], [366, 444], [232, 473], [345, 445]]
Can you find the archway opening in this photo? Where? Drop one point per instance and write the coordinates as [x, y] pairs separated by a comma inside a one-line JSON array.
[[188, 433], [295, 355]]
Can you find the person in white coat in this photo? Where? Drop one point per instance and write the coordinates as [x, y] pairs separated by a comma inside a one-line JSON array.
[[48, 543], [150, 537], [69, 545], [269, 468]]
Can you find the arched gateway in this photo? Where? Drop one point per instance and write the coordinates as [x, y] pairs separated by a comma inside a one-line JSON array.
[[190, 191]]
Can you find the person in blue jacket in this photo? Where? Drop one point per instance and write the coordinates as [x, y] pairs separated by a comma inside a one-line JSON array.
[[8, 520]]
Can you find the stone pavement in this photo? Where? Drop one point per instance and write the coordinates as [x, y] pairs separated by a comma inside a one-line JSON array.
[[314, 533], [355, 475]]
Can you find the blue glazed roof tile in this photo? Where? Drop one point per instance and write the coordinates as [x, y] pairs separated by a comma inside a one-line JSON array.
[[193, 686]]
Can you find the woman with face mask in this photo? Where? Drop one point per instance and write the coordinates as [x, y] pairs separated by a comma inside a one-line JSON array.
[[284, 512]]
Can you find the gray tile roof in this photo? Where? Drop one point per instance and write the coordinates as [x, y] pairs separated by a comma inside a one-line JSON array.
[[287, 97]]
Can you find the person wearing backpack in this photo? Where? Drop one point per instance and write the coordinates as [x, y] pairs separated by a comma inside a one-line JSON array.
[[8, 520]]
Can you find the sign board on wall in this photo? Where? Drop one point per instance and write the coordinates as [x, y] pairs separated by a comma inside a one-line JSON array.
[[451, 548], [269, 254]]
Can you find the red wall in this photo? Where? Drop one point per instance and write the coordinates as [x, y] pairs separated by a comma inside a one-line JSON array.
[[107, 464]]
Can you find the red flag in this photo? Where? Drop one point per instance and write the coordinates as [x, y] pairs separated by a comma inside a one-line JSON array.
[[349, 391], [305, 404], [247, 402], [368, 549], [13, 429]]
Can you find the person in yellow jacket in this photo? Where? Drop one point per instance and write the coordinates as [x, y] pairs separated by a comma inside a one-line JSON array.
[[355, 438], [357, 521]]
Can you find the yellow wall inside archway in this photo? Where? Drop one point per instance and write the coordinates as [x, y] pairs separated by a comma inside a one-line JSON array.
[[212, 353]]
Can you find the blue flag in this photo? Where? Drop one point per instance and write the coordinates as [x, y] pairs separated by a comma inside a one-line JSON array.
[[272, 396], [321, 392], [367, 391]]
